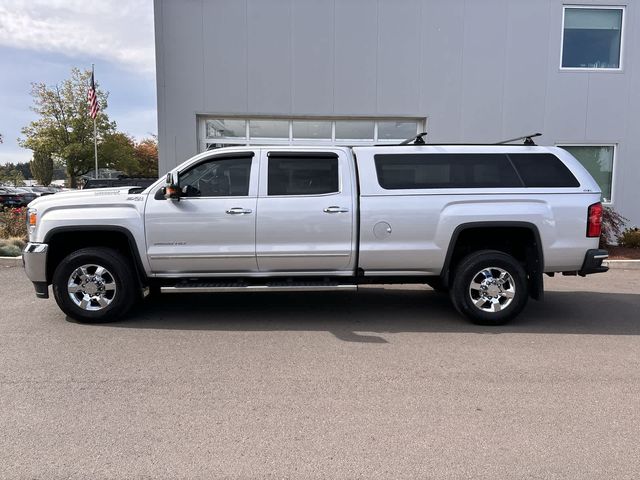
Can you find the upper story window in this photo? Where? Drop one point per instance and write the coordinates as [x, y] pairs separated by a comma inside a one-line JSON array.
[[592, 37]]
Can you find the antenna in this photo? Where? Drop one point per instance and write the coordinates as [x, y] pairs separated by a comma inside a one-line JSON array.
[[417, 140], [527, 139]]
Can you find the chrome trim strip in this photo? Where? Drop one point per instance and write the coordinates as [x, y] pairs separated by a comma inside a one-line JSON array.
[[601, 256], [198, 257], [347, 273], [399, 273], [285, 255]]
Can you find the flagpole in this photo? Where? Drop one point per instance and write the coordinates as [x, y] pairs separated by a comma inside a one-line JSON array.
[[95, 135]]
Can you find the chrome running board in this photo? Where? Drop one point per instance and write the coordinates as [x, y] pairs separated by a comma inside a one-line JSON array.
[[298, 286]]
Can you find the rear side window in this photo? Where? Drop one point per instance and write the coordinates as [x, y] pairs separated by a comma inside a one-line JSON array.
[[543, 170], [445, 170], [302, 175]]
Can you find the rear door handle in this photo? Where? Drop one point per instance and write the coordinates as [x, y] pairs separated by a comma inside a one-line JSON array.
[[335, 209], [239, 211]]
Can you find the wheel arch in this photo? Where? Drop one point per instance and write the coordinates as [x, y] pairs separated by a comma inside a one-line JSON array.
[[532, 255], [64, 240]]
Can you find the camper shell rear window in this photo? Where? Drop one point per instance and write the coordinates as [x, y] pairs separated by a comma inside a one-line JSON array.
[[399, 171]]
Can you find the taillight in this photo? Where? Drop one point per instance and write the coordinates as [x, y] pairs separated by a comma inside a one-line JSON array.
[[594, 220]]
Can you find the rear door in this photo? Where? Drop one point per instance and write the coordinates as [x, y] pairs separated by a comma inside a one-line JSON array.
[[306, 212]]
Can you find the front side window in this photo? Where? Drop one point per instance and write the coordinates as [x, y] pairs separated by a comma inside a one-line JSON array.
[[592, 37], [598, 160], [302, 176], [228, 177]]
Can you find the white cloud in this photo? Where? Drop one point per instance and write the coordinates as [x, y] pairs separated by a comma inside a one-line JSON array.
[[120, 32]]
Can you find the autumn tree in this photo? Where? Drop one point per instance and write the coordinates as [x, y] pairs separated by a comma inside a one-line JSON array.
[[64, 127], [147, 155], [42, 167]]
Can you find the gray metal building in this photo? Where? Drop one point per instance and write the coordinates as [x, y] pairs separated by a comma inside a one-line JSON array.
[[352, 72]]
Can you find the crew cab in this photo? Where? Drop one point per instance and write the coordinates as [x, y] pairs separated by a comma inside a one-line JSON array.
[[481, 222]]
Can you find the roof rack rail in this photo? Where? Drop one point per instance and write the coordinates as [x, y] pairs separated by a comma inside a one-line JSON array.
[[527, 139], [417, 140]]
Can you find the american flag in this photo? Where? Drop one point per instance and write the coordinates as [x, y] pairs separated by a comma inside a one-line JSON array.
[[92, 99]]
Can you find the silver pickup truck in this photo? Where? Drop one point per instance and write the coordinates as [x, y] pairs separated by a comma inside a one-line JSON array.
[[482, 222]]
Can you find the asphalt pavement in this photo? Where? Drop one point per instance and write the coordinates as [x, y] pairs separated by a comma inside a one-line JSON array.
[[386, 383]]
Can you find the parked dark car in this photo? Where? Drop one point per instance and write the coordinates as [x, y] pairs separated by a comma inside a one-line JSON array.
[[11, 198], [38, 191], [26, 194], [142, 182]]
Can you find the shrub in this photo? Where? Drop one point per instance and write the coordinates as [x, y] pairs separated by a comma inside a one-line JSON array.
[[612, 225], [13, 223], [11, 247], [630, 238]]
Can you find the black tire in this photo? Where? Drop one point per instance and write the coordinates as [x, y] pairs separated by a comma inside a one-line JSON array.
[[118, 271], [471, 268]]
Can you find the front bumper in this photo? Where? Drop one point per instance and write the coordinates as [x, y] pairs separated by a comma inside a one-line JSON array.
[[593, 262], [34, 259]]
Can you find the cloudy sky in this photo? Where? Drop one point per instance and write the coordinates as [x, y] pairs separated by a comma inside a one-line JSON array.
[[41, 40]]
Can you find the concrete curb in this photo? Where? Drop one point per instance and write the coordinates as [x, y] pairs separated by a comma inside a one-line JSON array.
[[11, 261], [622, 264]]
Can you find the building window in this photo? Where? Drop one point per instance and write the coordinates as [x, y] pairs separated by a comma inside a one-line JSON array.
[[216, 132], [592, 37], [598, 160]]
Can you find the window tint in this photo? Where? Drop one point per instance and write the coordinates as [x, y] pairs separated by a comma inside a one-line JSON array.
[[543, 170], [302, 176], [450, 170], [218, 178]]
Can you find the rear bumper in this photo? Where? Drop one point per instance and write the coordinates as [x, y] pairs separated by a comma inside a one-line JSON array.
[[593, 262], [34, 258]]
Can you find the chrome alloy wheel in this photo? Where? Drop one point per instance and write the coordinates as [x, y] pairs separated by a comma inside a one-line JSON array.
[[91, 287], [492, 289]]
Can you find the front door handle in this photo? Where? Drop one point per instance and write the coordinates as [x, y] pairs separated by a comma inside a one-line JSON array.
[[335, 209], [239, 211]]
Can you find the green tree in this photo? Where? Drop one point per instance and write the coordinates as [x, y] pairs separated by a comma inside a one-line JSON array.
[[42, 167], [117, 151], [64, 126], [11, 175], [25, 168]]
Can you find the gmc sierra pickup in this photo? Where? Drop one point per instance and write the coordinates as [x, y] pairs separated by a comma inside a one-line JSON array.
[[483, 222]]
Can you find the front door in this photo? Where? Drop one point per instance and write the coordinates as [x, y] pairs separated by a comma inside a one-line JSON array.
[[212, 228], [305, 212]]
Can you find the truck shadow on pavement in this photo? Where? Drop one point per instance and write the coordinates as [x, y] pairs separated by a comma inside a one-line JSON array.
[[366, 315]]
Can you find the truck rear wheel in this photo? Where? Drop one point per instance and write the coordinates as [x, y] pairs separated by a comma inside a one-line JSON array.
[[489, 287], [94, 285]]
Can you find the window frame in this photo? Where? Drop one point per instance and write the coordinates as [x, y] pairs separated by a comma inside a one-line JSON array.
[[620, 67], [614, 161], [247, 141]]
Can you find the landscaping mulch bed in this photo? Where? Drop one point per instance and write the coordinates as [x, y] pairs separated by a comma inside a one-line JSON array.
[[623, 253]]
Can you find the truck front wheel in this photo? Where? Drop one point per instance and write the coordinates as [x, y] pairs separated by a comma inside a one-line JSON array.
[[489, 287], [94, 285]]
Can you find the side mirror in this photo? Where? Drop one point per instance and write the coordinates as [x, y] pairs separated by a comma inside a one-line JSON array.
[[172, 187]]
